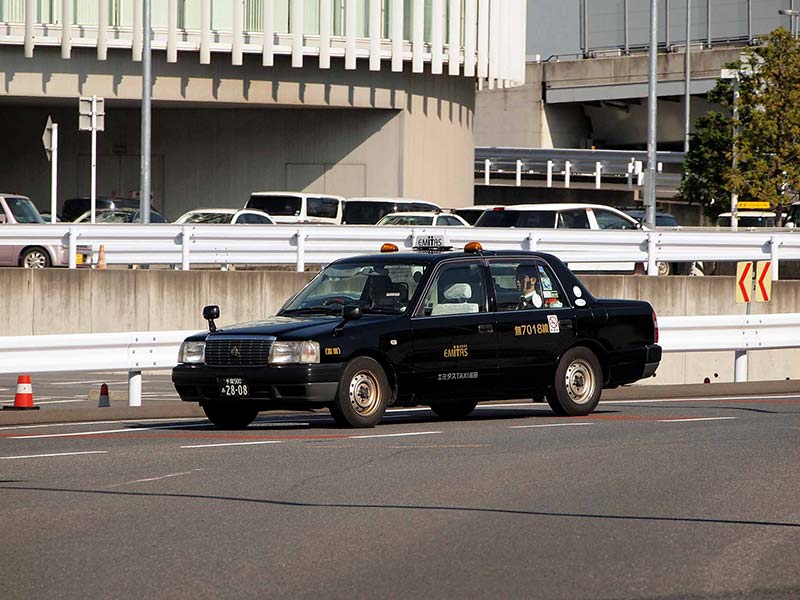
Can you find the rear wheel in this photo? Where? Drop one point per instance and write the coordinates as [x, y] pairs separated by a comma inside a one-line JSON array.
[[230, 416], [454, 410], [363, 394], [578, 383]]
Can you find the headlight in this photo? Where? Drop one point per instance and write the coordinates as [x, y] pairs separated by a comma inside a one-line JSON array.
[[192, 352], [292, 353]]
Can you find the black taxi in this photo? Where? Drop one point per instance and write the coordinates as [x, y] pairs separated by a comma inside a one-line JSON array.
[[443, 329]]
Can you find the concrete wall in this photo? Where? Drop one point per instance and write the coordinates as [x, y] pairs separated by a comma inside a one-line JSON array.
[[221, 132], [82, 301]]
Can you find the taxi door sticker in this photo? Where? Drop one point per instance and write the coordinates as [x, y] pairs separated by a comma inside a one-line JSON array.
[[552, 321]]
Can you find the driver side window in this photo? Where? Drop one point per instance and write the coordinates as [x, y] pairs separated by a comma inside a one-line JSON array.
[[458, 289]]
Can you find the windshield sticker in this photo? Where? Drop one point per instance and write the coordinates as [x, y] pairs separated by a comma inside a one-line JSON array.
[[580, 302], [552, 321], [456, 376], [577, 291], [457, 351], [537, 300]]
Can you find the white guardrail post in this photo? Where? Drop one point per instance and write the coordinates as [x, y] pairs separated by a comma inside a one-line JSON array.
[[519, 173], [774, 244], [301, 250], [72, 240], [652, 269], [598, 173], [186, 240], [487, 165], [549, 173], [135, 388], [567, 169]]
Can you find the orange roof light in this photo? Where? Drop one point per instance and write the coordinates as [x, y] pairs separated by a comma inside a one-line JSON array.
[[473, 248], [387, 247]]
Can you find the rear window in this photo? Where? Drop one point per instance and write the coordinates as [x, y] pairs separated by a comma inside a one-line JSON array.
[[545, 219], [324, 208], [470, 215], [208, 218], [282, 206], [407, 220]]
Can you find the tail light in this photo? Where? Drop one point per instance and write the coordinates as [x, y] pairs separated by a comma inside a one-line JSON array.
[[655, 327]]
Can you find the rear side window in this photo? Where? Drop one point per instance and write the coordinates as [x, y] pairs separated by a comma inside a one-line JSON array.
[[324, 208], [282, 206], [542, 219]]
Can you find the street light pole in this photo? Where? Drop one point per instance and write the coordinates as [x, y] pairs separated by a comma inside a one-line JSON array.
[[650, 179], [688, 109], [793, 15], [147, 78]]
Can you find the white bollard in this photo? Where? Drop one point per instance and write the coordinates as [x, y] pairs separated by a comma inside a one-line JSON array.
[[740, 367]]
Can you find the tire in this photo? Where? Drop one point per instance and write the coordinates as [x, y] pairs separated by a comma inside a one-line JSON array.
[[35, 258], [230, 416], [453, 411], [363, 394], [664, 269], [578, 383]]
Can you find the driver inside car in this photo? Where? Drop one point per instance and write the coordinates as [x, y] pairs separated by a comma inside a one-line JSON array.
[[528, 286]]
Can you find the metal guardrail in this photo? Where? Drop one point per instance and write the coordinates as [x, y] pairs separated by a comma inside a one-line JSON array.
[[183, 246], [566, 163], [158, 350]]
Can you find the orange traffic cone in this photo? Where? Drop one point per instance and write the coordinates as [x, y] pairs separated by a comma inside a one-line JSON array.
[[104, 403], [23, 400], [101, 257]]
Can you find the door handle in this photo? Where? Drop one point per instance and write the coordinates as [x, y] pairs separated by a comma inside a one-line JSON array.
[[485, 328], [565, 324]]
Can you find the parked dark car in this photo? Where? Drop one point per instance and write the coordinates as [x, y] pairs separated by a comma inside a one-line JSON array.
[[442, 329], [75, 207], [119, 215]]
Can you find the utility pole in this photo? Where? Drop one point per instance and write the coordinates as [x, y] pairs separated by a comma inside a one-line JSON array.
[[652, 110], [147, 79]]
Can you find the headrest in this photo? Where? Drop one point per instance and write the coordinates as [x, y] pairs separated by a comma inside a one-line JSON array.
[[458, 292]]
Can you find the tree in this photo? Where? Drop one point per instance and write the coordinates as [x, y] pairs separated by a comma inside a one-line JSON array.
[[768, 141]]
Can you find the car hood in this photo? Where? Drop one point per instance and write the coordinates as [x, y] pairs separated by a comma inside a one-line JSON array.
[[304, 327]]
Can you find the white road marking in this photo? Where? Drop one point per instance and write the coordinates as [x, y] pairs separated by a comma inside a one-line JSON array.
[[169, 476], [49, 455], [702, 398], [87, 382], [81, 433], [695, 419], [81, 423], [547, 425], [37, 401], [233, 444], [391, 435]]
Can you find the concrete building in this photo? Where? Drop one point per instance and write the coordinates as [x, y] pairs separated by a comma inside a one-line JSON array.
[[350, 97], [586, 78]]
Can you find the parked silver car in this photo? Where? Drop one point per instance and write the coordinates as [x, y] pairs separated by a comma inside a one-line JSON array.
[[14, 210]]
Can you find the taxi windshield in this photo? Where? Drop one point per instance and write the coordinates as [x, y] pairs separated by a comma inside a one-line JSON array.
[[378, 288]]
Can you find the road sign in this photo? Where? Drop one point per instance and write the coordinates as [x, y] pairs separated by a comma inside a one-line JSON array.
[[47, 138], [753, 205], [763, 281], [85, 106], [744, 282]]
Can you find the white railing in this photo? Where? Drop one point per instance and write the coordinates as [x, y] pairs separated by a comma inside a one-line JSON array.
[[183, 246], [138, 351]]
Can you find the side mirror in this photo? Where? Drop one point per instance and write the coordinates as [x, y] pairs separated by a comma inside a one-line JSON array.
[[210, 313], [351, 312]]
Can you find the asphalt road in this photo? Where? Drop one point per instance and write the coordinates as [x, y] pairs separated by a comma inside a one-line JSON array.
[[659, 498]]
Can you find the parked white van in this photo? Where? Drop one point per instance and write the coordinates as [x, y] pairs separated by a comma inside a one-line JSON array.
[[298, 207]]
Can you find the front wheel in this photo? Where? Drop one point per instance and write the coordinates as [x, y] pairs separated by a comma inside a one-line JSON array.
[[578, 383], [35, 258], [230, 416], [454, 411], [363, 394]]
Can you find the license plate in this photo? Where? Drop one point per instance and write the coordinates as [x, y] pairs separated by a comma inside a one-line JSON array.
[[233, 387], [79, 259]]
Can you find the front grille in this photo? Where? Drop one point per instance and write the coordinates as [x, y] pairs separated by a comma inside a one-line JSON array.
[[237, 352]]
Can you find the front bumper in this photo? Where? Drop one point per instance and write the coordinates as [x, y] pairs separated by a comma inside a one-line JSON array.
[[286, 386]]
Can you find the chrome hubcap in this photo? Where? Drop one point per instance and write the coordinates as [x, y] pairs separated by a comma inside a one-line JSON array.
[[365, 393], [580, 381], [35, 260]]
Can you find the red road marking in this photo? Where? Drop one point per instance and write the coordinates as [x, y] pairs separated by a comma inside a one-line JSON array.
[[745, 273]]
